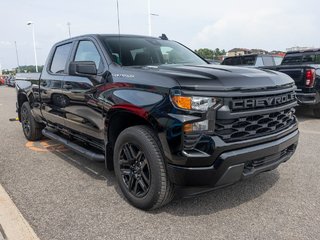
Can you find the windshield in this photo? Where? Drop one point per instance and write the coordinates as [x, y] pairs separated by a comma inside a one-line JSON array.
[[139, 51], [299, 58]]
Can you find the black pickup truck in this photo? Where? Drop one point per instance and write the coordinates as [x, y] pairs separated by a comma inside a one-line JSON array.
[[304, 68], [163, 118]]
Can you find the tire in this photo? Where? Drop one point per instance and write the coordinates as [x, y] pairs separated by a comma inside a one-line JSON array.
[[31, 128], [316, 112], [140, 169]]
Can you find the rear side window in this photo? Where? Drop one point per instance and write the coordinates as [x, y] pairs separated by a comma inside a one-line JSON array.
[[268, 61], [248, 60], [302, 58], [60, 58], [233, 61], [87, 51], [259, 62]]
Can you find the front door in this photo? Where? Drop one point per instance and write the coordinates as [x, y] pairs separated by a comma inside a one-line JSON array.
[[81, 113]]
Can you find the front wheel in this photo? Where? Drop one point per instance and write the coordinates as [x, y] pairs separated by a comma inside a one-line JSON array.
[[31, 128], [140, 169]]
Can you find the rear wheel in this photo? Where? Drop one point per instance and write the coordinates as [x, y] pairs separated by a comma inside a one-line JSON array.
[[140, 168], [31, 128]]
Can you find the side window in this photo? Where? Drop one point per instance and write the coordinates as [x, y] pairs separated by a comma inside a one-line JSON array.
[[259, 62], [268, 61], [60, 58], [87, 51], [318, 59]]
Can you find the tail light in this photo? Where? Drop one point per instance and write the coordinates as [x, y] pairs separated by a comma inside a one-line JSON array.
[[310, 77]]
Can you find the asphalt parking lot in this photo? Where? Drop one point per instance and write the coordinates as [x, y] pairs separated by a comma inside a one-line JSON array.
[[64, 196]]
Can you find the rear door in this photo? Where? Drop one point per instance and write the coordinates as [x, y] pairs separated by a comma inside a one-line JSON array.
[[82, 113], [52, 97]]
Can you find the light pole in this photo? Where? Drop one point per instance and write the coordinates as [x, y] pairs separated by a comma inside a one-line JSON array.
[[15, 44], [69, 24], [118, 17], [149, 17], [34, 44]]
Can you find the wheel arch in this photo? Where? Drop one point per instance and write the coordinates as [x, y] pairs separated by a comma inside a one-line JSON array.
[[21, 98], [119, 119]]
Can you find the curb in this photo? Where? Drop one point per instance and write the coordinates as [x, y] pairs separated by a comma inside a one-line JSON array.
[[13, 226]]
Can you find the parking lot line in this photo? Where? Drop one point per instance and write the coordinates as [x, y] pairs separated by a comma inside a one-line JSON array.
[[12, 222]]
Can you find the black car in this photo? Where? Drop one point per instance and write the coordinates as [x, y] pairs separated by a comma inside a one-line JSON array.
[[163, 118], [252, 60], [304, 68]]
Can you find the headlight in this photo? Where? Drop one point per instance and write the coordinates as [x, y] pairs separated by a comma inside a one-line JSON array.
[[193, 103]]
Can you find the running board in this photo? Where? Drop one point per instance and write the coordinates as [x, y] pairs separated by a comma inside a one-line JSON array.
[[74, 147]]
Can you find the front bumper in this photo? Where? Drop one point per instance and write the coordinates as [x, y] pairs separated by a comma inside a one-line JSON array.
[[234, 165]]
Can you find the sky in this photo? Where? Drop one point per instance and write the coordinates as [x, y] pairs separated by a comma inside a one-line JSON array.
[[224, 24]]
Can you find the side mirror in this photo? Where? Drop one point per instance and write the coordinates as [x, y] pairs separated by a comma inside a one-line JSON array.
[[82, 68]]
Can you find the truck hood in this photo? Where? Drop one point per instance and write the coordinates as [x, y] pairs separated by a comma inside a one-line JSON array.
[[225, 78]]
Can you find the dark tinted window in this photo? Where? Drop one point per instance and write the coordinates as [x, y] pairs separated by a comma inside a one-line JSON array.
[[232, 61], [60, 58], [248, 60], [138, 51], [87, 51], [299, 58]]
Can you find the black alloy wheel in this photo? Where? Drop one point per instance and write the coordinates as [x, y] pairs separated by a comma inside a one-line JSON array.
[[31, 128], [140, 168], [135, 170], [25, 121]]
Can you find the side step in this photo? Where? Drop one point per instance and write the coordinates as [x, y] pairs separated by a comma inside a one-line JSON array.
[[74, 147]]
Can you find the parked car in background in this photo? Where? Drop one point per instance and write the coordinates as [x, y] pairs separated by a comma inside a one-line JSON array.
[[2, 81], [11, 81], [252, 60], [212, 61], [304, 68], [277, 60]]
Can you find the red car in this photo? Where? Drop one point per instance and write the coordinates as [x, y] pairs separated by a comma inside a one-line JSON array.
[[2, 81]]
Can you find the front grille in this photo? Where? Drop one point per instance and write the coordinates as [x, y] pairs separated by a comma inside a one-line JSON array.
[[254, 126]]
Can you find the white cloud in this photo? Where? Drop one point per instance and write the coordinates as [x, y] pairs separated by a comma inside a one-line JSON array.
[[269, 28], [5, 43]]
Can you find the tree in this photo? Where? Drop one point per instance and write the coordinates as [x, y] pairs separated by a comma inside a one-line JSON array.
[[205, 53]]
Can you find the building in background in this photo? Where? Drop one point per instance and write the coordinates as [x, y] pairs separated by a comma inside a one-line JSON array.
[[298, 48], [238, 52], [278, 53]]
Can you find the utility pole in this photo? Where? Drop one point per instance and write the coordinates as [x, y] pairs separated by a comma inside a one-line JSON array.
[[15, 44], [69, 29]]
